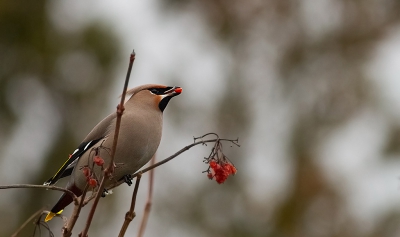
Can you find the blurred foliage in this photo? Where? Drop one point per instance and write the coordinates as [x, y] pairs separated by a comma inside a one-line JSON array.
[[32, 48], [392, 146], [318, 62], [320, 65]]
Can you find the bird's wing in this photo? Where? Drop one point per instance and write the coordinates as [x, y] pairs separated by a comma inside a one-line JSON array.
[[100, 131], [68, 166]]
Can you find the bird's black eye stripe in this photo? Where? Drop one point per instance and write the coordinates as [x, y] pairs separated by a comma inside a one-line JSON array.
[[155, 91], [159, 91]]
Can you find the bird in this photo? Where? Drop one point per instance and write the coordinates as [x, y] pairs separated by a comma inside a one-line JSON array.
[[139, 138]]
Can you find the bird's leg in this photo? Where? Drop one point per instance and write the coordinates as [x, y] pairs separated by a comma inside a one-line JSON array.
[[128, 179]]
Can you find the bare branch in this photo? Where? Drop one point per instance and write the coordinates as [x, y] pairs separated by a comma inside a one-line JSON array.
[[74, 197], [110, 169], [39, 223], [186, 148], [205, 135], [131, 213], [183, 150], [67, 229], [148, 203], [27, 221]]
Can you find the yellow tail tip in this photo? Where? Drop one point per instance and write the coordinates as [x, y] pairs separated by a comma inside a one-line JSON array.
[[51, 215]]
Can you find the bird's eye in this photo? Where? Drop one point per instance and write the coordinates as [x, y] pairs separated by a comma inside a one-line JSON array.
[[154, 91], [159, 91]]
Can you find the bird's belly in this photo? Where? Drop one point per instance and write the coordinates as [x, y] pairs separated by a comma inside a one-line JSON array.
[[133, 151]]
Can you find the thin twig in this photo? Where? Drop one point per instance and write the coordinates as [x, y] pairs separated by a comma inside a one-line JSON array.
[[110, 169], [148, 202], [120, 110], [186, 148], [27, 221], [205, 135], [74, 197], [131, 213], [88, 199], [183, 150], [40, 223], [67, 230]]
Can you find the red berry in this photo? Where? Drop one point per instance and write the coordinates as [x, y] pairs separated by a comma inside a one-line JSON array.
[[210, 176], [220, 170], [227, 168], [213, 164], [92, 183], [220, 178], [216, 168], [234, 170], [86, 171], [98, 160], [230, 168]]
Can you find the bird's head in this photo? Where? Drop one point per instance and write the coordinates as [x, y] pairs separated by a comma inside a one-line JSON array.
[[158, 95]]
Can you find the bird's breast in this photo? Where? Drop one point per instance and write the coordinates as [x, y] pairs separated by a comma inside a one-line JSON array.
[[138, 140], [140, 136]]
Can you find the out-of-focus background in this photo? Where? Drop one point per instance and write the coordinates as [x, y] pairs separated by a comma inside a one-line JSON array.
[[311, 88]]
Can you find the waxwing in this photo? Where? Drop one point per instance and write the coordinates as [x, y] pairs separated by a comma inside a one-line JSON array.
[[139, 137]]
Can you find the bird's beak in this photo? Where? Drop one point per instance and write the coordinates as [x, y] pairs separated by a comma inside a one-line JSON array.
[[174, 91]]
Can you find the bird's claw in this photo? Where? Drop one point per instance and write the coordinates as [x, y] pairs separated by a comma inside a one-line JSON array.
[[128, 179]]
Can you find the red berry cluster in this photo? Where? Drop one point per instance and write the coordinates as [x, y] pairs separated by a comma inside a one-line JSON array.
[[92, 182], [220, 171], [87, 172], [98, 160]]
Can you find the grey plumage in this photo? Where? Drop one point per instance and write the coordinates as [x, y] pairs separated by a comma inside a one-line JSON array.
[[139, 138]]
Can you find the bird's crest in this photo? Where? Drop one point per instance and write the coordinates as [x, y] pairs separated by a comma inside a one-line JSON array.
[[135, 90]]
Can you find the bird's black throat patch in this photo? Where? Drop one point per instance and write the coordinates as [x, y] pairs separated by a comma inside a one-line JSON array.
[[164, 102]]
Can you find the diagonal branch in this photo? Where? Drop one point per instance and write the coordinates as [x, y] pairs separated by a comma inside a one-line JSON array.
[[131, 213], [74, 197], [148, 203], [67, 229], [183, 150], [186, 148], [27, 222], [110, 169]]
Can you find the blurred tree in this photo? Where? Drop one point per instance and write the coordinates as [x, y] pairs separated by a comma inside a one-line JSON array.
[[74, 68], [313, 53], [318, 51]]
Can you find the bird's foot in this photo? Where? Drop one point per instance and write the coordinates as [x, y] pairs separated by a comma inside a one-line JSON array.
[[128, 179]]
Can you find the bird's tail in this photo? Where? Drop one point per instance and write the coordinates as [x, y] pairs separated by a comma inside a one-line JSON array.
[[51, 215], [64, 201]]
